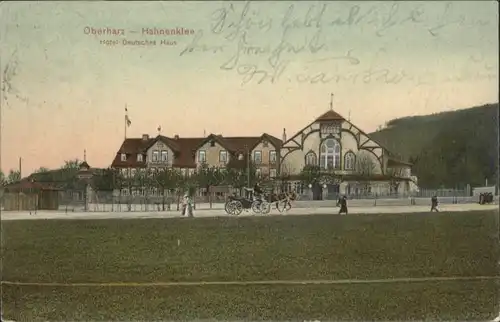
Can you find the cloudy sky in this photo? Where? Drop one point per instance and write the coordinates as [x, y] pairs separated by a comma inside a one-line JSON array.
[[69, 69]]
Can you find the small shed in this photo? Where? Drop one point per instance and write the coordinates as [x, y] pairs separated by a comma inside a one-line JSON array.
[[30, 195]]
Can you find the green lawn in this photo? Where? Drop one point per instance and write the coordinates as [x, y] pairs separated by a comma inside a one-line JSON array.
[[260, 248]]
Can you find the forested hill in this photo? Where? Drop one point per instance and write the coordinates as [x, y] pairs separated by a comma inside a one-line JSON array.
[[449, 149]]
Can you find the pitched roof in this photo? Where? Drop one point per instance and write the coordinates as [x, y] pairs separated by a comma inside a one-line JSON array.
[[25, 184], [330, 115], [185, 148]]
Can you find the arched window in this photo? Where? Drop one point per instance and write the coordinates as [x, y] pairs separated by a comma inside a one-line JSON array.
[[311, 159], [330, 154], [349, 161]]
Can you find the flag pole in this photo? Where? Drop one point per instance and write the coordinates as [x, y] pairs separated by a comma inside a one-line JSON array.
[[125, 121]]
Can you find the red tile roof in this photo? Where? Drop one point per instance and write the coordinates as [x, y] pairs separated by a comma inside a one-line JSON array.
[[330, 115], [185, 148]]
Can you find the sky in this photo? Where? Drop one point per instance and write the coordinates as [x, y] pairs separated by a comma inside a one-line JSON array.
[[69, 69]]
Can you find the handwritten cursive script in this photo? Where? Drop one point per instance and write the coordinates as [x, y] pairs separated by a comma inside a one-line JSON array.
[[260, 47]]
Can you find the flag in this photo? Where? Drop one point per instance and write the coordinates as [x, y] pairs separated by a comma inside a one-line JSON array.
[[127, 119], [159, 128]]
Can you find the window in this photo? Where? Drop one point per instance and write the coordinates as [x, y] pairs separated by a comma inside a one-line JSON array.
[[311, 159], [272, 156], [240, 156], [330, 128], [330, 154], [223, 156], [257, 157], [265, 143], [258, 172], [272, 173], [139, 158], [349, 161], [164, 156], [202, 156], [212, 143], [156, 156], [133, 172], [124, 157]]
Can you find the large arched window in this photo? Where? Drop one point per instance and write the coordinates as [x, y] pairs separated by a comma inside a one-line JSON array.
[[330, 154], [311, 159], [349, 161]]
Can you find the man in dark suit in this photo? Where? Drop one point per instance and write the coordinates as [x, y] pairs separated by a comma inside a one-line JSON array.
[[343, 205], [434, 203]]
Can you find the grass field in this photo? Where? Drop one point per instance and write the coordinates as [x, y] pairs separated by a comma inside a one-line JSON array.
[[253, 249]]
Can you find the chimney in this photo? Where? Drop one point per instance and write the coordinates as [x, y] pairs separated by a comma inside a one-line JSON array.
[[176, 136], [284, 135], [145, 137]]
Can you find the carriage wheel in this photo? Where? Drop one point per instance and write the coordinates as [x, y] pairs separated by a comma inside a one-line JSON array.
[[229, 207], [237, 208], [256, 207], [265, 207]]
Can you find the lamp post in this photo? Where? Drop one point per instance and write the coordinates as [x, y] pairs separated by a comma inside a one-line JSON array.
[[247, 152], [248, 166]]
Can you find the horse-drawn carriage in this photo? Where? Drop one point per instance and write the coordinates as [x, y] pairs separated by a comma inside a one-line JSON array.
[[235, 205]]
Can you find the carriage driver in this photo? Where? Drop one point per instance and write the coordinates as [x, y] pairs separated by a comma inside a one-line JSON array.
[[257, 189]]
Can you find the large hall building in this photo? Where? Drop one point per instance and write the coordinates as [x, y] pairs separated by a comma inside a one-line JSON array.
[[357, 163]]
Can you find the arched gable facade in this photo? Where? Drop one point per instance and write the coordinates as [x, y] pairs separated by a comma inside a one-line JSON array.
[[335, 144], [338, 147]]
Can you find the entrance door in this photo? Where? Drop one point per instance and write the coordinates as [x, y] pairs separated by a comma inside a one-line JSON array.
[[317, 191], [333, 191]]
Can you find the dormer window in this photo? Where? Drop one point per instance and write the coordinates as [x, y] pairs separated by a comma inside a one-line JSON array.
[[124, 157], [139, 158]]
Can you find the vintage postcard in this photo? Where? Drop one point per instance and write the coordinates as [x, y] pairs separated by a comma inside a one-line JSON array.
[[249, 160]]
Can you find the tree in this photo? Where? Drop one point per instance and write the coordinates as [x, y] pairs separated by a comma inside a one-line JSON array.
[[240, 174], [395, 175], [167, 179], [42, 170], [208, 177], [3, 179], [72, 164], [14, 176], [310, 175], [450, 149], [105, 180], [365, 166]]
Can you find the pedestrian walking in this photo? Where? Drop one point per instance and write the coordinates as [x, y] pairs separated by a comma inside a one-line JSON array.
[[343, 205], [434, 204], [187, 206]]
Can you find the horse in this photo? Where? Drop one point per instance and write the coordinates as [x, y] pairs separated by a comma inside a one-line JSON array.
[[285, 198]]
